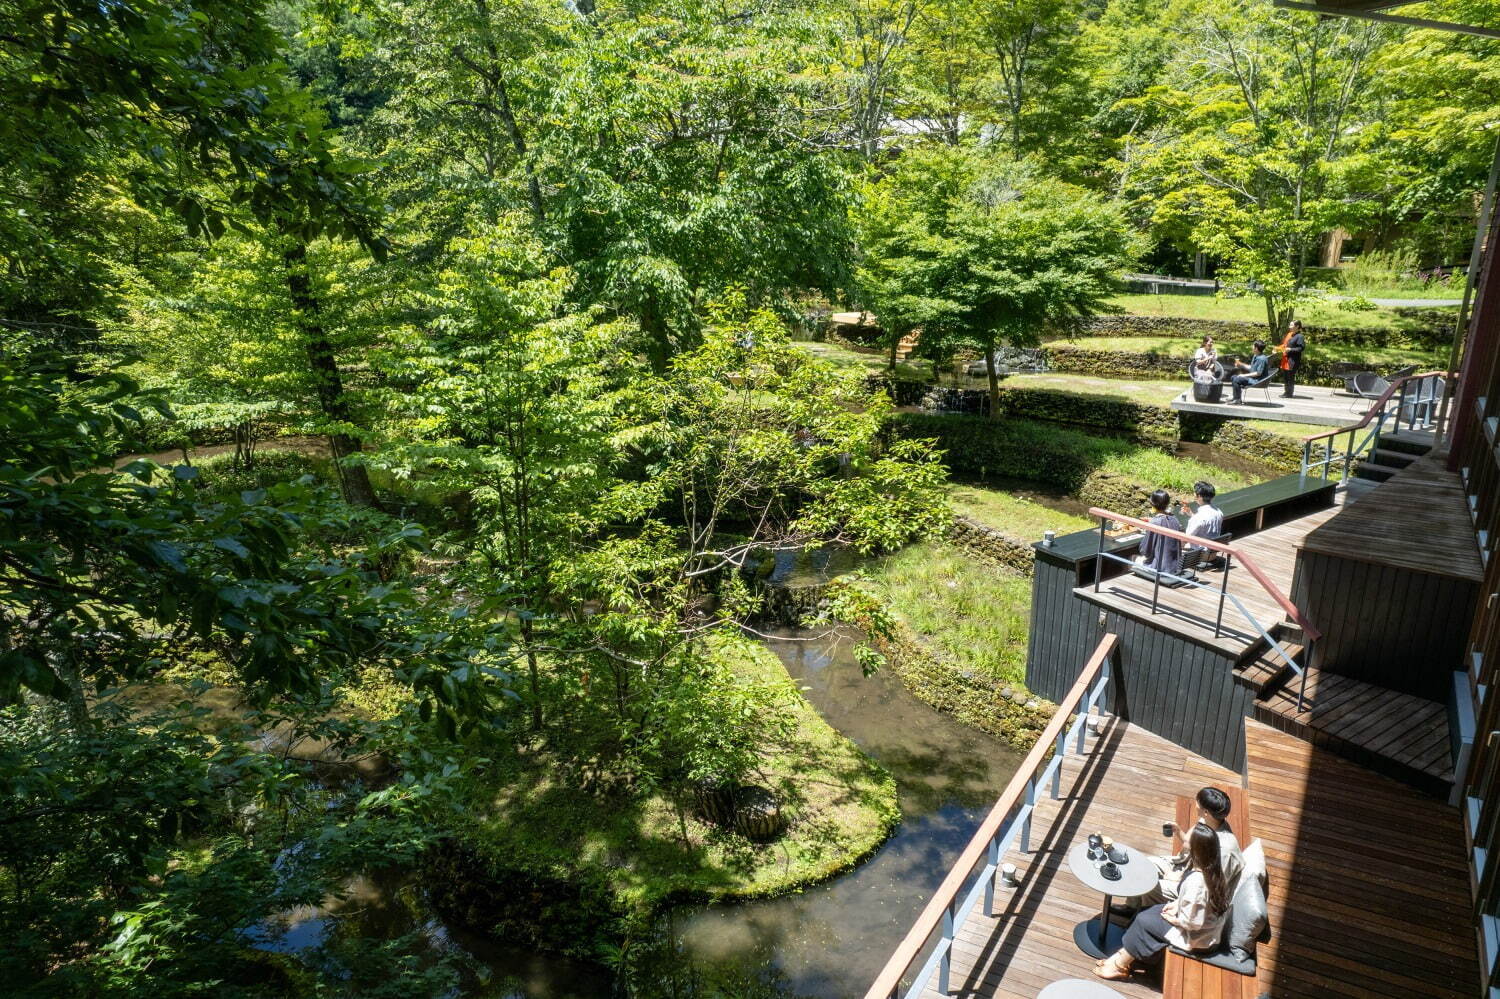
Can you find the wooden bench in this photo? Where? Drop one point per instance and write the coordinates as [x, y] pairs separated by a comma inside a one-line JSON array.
[[1183, 976]]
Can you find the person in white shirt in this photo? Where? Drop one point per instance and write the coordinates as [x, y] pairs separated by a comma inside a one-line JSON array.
[[1206, 362], [1206, 522], [1194, 920]]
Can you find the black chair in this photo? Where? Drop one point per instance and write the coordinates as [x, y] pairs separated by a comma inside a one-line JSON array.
[[1207, 391]]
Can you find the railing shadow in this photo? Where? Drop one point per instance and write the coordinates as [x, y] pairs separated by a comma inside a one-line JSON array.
[[1044, 863]]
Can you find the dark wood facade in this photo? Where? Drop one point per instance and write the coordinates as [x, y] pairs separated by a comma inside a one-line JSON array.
[[1386, 625], [1168, 684]]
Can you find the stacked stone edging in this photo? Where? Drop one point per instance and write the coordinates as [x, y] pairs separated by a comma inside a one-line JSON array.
[[1006, 711], [989, 545]]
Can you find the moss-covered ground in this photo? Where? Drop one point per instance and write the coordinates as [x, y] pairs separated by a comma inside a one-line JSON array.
[[650, 847]]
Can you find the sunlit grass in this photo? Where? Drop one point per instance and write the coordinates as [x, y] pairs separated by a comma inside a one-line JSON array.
[[1253, 310], [1014, 515], [974, 614]]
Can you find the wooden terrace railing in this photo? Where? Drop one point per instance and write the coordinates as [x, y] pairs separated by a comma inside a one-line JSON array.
[[1421, 393], [1310, 632], [1010, 817]]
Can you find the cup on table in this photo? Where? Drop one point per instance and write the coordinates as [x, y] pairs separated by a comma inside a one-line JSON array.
[[1168, 828]]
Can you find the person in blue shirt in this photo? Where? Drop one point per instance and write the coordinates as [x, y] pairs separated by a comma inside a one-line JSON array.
[[1258, 368]]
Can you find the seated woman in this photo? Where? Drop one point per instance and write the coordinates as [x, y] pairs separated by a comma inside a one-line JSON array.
[[1158, 552], [1206, 368], [1192, 921]]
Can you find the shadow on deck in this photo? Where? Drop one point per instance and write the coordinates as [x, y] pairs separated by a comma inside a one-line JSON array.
[[1368, 885]]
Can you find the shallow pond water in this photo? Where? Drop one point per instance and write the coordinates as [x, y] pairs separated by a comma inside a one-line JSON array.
[[827, 940], [823, 942]]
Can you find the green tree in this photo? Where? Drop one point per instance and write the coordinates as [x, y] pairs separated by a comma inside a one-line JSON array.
[[514, 407], [1256, 160], [984, 253]]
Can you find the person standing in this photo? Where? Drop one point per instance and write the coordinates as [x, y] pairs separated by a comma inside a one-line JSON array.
[[1291, 356]]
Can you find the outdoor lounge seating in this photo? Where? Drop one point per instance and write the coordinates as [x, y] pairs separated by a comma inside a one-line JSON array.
[[1218, 974], [1212, 391], [1369, 385]]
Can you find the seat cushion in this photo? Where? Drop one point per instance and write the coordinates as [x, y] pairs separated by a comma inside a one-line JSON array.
[[1221, 958], [1247, 906]]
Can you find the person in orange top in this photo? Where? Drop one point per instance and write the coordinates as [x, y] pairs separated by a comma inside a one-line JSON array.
[[1291, 356]]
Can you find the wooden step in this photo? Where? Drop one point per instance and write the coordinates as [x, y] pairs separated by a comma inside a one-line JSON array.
[[1374, 472], [1397, 734], [1354, 488], [1391, 458], [1267, 672], [1413, 442]]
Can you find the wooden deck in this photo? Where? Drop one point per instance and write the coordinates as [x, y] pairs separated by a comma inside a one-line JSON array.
[[1361, 905], [1398, 734], [1190, 611], [1418, 519], [1325, 407]]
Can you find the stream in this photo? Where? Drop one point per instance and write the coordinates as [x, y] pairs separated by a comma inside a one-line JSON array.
[[823, 942]]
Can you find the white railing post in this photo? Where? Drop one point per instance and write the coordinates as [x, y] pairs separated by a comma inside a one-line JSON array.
[[1061, 751], [946, 964], [1030, 809], [989, 888]]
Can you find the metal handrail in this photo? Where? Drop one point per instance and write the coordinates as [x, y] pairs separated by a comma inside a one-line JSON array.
[[1249, 564], [952, 904], [1379, 414]]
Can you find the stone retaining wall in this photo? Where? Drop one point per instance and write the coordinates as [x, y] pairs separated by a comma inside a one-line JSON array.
[[1006, 711], [991, 546]]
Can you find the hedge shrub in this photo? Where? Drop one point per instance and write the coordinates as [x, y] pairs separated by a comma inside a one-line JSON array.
[[1424, 329]]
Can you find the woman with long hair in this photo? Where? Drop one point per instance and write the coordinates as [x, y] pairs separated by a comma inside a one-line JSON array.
[[1193, 921], [1206, 362]]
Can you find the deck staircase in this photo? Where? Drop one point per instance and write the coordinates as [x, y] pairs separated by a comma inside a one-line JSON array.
[[1400, 735], [1392, 452]]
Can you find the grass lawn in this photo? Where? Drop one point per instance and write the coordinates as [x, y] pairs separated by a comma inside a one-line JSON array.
[[973, 614], [1137, 390], [649, 848], [873, 362], [1144, 464], [1374, 357], [1253, 310], [1015, 515]]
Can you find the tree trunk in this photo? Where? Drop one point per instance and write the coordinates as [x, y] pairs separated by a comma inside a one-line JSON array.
[[895, 345], [329, 382], [77, 703], [534, 675], [989, 367]]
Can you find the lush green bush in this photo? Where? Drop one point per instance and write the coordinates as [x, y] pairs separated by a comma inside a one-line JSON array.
[[1059, 457], [219, 474]]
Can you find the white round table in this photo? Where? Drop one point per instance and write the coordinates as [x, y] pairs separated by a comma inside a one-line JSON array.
[[1077, 988], [1137, 876]]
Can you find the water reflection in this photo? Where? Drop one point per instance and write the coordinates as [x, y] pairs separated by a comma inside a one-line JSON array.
[[824, 942], [830, 938]]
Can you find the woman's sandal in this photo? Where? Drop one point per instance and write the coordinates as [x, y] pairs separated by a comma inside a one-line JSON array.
[[1111, 970]]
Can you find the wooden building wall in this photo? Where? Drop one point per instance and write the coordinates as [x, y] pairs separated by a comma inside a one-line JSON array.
[[1386, 625], [1168, 685]]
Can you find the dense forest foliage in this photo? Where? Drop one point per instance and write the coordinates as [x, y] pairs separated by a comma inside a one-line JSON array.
[[532, 269]]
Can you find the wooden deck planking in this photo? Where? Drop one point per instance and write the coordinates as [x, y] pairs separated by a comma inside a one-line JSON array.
[[1190, 611], [1418, 519], [1406, 729], [1352, 912]]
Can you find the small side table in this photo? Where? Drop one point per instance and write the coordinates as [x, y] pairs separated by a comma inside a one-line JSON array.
[[1137, 877], [1077, 988]]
